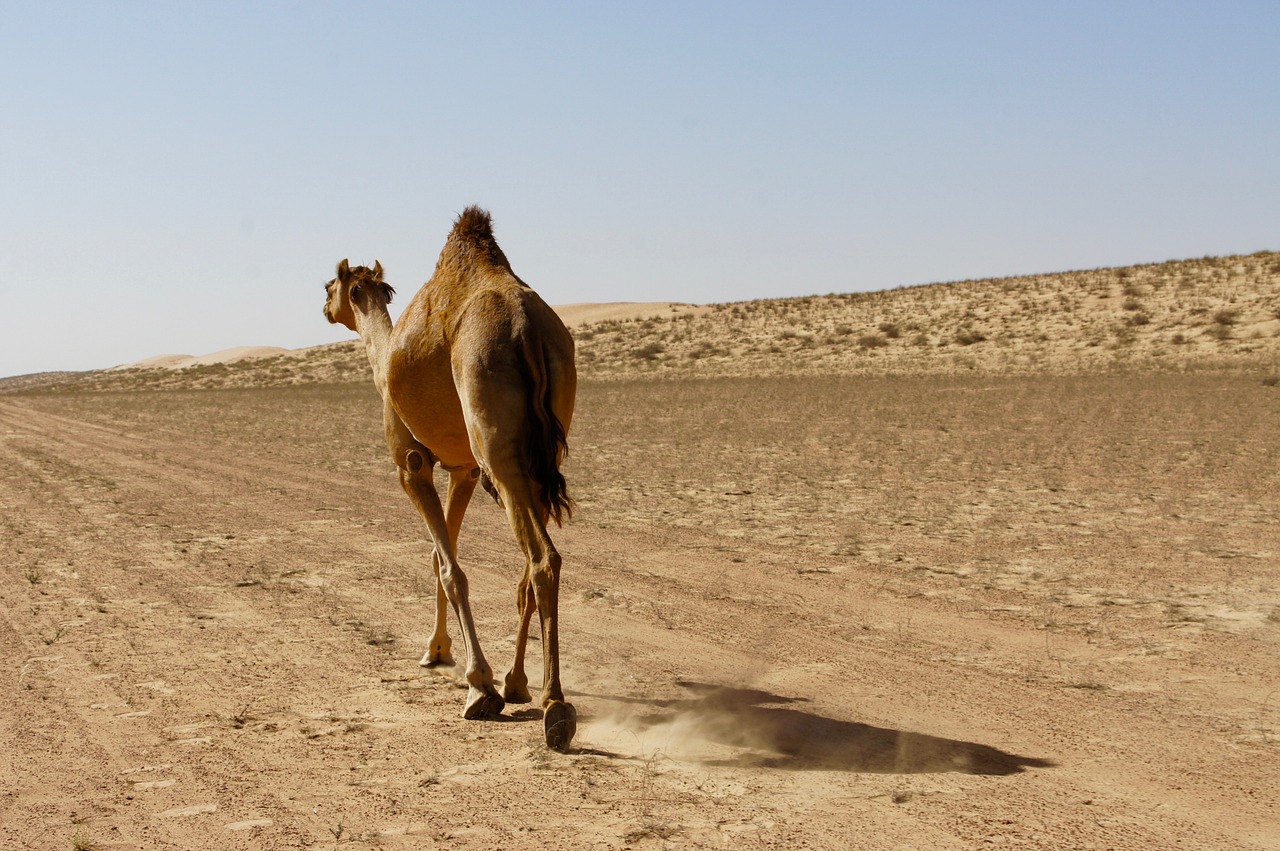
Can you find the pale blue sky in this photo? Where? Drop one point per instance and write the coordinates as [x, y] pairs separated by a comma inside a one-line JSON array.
[[183, 177]]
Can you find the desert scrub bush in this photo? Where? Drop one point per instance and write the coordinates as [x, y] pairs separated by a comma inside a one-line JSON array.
[[890, 330], [649, 351], [968, 336], [872, 341], [1226, 317], [1139, 318], [1132, 304], [846, 330], [1124, 335]]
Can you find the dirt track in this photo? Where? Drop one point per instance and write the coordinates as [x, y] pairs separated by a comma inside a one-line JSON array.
[[798, 614]]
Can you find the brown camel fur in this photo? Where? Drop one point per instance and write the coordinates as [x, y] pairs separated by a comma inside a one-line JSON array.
[[478, 376]]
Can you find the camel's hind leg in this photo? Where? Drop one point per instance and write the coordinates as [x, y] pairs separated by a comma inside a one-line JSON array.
[[483, 700], [461, 485], [495, 390], [539, 591]]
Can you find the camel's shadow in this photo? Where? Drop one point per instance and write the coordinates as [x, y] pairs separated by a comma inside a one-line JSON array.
[[766, 732]]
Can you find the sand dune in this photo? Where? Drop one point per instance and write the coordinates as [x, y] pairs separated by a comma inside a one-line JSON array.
[[232, 355], [586, 313], [1206, 313], [572, 314]]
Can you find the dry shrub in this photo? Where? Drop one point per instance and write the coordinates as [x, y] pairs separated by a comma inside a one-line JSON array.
[[872, 341], [649, 351]]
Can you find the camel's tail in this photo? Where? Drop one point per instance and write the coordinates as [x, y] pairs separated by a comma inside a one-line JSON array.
[[548, 443]]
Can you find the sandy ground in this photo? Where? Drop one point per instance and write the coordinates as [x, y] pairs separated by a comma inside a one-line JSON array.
[[799, 613]]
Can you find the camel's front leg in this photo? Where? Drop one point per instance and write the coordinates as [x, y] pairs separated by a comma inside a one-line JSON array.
[[440, 648], [483, 700], [461, 486], [515, 686]]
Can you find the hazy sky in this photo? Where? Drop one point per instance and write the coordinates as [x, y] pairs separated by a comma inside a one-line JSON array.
[[183, 177]]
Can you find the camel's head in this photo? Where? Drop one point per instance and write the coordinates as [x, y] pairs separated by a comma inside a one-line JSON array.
[[355, 290]]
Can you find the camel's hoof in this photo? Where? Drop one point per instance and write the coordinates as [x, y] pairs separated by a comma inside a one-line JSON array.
[[560, 720], [434, 659], [482, 705], [516, 689]]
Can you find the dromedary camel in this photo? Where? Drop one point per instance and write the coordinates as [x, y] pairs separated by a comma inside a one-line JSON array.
[[478, 376]]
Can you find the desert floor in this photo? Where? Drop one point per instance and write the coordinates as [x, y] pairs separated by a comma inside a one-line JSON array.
[[798, 613]]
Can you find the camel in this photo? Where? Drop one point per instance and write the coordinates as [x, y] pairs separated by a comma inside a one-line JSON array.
[[478, 376]]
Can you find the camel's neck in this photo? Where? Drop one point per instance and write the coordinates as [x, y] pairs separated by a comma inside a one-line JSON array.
[[375, 330]]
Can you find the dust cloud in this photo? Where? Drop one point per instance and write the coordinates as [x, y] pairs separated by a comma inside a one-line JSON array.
[[748, 727]]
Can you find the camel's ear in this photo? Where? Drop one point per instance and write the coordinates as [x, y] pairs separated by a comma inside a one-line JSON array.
[[344, 271], [377, 270]]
